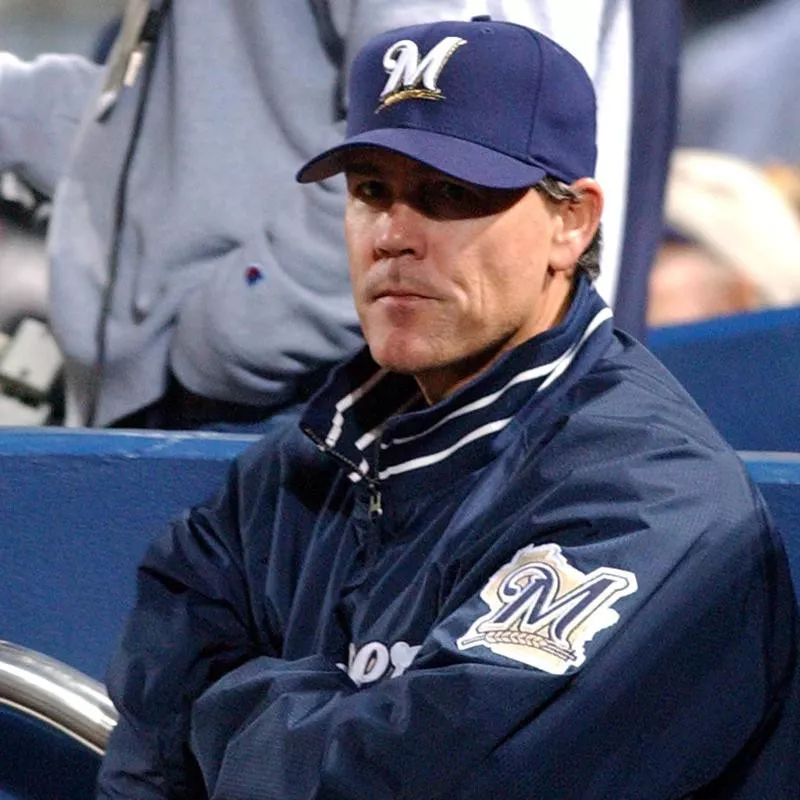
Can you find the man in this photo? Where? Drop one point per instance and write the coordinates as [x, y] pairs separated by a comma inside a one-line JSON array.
[[506, 555], [193, 283]]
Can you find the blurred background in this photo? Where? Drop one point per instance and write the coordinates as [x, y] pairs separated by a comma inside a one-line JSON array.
[[27, 29], [699, 14]]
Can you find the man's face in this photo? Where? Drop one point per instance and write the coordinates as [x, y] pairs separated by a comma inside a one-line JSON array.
[[447, 275]]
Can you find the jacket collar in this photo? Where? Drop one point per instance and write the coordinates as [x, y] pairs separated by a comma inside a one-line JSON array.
[[378, 425]]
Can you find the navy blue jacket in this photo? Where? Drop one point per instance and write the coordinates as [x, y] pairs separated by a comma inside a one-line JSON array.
[[557, 583]]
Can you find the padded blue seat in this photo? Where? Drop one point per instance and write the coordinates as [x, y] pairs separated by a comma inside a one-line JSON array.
[[744, 372], [77, 509]]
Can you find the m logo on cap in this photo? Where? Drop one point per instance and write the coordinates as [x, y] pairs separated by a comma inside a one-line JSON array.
[[407, 72]]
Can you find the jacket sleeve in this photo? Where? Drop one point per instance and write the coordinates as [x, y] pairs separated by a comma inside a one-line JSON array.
[[190, 625], [42, 103], [204, 606]]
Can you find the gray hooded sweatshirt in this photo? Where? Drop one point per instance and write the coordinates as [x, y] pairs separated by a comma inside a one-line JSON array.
[[179, 239]]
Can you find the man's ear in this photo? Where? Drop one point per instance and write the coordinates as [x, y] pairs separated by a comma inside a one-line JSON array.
[[576, 224]]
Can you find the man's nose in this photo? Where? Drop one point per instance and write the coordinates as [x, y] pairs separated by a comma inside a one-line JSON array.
[[400, 231]]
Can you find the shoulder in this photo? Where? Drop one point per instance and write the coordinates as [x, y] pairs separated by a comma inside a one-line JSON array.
[[631, 390], [631, 451]]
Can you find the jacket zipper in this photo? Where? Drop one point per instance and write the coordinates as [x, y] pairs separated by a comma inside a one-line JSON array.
[[373, 484]]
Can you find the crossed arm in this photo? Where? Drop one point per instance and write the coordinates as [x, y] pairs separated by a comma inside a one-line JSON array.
[[677, 694]]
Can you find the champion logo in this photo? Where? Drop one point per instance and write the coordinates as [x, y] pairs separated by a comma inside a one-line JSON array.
[[253, 275], [411, 77], [543, 611]]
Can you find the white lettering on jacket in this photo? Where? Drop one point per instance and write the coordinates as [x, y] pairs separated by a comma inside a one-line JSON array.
[[375, 661]]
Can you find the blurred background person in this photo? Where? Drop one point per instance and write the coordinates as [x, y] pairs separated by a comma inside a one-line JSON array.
[[732, 242], [191, 283]]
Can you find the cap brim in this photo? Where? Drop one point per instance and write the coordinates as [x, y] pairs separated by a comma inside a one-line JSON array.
[[461, 159]]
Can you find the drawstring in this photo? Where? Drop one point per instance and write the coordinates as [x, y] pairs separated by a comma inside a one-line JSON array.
[[147, 40]]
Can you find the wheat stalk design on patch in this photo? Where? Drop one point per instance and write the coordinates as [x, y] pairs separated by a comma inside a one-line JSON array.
[[527, 640]]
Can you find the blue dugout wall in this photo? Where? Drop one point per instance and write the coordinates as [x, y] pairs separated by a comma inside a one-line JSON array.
[[744, 372], [77, 509]]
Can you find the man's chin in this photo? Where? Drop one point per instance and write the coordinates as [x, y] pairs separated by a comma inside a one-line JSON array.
[[402, 357]]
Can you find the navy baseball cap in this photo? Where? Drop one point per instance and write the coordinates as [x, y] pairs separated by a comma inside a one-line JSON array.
[[493, 103]]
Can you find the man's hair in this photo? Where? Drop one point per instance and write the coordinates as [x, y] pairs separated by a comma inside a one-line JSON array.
[[560, 192]]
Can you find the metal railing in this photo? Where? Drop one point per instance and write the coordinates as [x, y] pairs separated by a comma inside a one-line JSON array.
[[57, 694]]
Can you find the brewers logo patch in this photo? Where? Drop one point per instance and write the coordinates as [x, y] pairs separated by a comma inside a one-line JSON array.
[[543, 611]]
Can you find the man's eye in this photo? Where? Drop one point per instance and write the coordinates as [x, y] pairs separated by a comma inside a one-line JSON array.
[[370, 191], [447, 199], [452, 192], [450, 200]]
